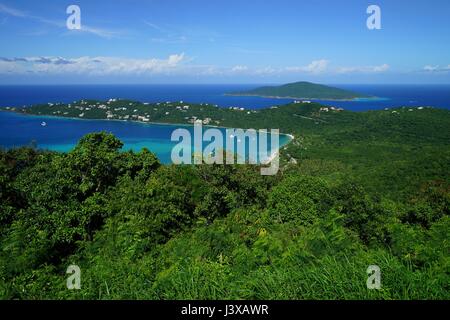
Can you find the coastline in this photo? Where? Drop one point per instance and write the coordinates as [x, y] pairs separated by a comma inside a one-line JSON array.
[[289, 140], [301, 98]]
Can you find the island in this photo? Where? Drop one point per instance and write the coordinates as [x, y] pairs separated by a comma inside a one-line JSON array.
[[302, 90]]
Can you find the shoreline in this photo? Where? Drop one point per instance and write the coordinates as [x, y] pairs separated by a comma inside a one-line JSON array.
[[301, 98], [290, 136]]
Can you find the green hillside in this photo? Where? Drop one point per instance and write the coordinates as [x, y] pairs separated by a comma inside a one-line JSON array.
[[354, 189], [302, 90]]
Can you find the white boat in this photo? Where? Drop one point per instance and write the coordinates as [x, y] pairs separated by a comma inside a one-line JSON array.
[[43, 123]]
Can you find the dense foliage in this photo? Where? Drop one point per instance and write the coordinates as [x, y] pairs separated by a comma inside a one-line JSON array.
[[302, 90], [355, 189]]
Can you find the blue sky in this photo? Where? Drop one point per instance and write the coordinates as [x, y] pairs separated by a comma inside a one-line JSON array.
[[224, 41]]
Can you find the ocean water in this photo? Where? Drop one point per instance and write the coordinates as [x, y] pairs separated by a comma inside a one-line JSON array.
[[214, 94], [62, 134], [437, 96], [390, 95]]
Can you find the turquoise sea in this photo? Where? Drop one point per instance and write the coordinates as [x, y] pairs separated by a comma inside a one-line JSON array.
[[62, 134]]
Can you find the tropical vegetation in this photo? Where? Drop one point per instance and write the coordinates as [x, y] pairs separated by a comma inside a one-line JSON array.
[[354, 190]]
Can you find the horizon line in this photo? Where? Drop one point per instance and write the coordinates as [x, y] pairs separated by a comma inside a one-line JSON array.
[[213, 84]]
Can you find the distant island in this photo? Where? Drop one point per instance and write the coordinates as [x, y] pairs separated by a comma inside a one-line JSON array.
[[301, 90]]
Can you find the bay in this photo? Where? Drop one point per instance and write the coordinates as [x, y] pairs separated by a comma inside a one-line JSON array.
[[62, 134]]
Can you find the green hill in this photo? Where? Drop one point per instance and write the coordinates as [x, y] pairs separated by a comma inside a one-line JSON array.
[[302, 90], [355, 189]]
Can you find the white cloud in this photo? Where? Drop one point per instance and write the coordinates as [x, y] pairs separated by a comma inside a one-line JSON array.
[[90, 65], [382, 68], [364, 69], [174, 59], [435, 69], [7, 67], [266, 71], [430, 68], [239, 68], [323, 66], [317, 66]]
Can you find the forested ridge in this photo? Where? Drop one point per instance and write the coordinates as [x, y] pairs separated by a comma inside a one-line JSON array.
[[302, 90], [354, 189]]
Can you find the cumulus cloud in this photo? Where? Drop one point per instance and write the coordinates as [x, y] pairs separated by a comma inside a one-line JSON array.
[[364, 69], [175, 64], [90, 65], [265, 71], [239, 68], [436, 69], [12, 59], [323, 66], [382, 68], [315, 67]]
